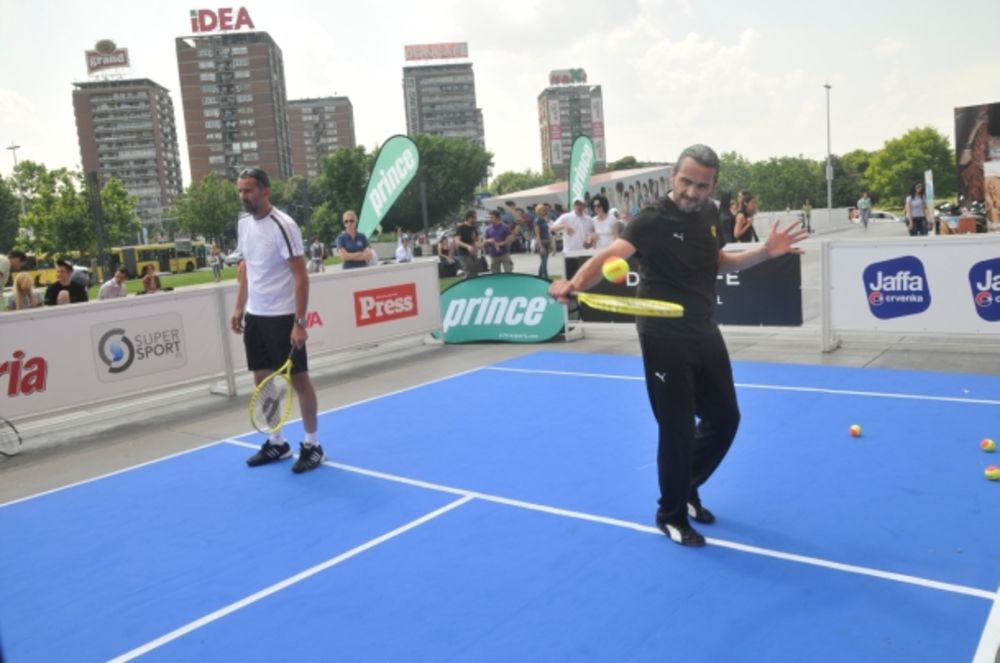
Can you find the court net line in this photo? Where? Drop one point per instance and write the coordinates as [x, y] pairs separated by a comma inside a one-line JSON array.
[[749, 385], [626, 524]]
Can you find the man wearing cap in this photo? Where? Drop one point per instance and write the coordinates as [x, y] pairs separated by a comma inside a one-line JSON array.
[[64, 276], [575, 226]]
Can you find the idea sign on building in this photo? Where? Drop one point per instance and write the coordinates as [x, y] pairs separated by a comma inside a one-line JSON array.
[[225, 19]]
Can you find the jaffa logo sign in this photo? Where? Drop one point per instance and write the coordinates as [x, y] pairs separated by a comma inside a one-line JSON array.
[[984, 278], [897, 287], [509, 308]]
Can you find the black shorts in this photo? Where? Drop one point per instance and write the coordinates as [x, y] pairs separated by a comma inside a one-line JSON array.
[[267, 342]]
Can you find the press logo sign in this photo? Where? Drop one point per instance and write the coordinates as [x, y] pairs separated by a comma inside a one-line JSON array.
[[513, 308], [138, 347], [897, 288], [385, 304], [984, 277]]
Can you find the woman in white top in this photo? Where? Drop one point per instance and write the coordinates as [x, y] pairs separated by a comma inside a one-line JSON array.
[[916, 210], [24, 295], [605, 225]]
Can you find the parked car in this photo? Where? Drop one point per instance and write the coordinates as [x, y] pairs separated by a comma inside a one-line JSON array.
[[878, 215], [233, 258], [81, 275]]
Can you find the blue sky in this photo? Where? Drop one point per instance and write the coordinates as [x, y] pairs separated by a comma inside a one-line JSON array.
[[740, 76]]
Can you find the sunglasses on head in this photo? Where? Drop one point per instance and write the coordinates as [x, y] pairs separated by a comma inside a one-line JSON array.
[[256, 174]]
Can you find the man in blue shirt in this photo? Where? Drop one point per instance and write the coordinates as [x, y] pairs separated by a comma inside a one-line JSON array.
[[498, 240], [352, 246]]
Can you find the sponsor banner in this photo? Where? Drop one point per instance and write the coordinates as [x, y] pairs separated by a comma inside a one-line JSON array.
[[226, 19], [567, 77], [139, 347], [581, 167], [446, 51], [768, 294], [395, 166], [96, 60], [510, 308], [372, 307], [905, 285]]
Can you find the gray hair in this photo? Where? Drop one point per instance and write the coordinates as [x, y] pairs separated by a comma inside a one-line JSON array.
[[704, 155]]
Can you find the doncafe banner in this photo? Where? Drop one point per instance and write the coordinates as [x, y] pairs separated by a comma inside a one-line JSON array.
[[511, 308], [581, 167], [395, 166]]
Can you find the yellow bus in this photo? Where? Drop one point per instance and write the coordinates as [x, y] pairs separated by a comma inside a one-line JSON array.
[[41, 267], [179, 256]]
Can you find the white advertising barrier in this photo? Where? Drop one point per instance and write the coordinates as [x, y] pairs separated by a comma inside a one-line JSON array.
[[912, 285], [67, 356], [355, 307]]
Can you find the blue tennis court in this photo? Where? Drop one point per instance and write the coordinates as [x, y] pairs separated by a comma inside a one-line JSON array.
[[506, 514]]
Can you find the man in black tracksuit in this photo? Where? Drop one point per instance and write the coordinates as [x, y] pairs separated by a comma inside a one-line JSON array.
[[679, 246]]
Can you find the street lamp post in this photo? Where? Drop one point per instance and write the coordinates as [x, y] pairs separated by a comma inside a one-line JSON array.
[[20, 194], [829, 163]]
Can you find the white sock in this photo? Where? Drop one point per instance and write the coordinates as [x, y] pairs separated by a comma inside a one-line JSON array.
[[277, 438], [311, 438]]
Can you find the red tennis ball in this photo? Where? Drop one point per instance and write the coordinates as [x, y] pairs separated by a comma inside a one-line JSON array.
[[992, 473], [988, 445], [615, 270], [855, 430]]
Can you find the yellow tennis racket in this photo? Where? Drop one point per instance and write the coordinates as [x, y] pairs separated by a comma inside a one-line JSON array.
[[650, 308], [271, 403]]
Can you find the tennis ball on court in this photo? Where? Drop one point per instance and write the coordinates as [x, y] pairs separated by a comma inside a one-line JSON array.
[[988, 445], [615, 270], [992, 473], [855, 430]]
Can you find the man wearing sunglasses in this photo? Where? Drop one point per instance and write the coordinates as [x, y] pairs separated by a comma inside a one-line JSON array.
[[352, 246], [271, 305]]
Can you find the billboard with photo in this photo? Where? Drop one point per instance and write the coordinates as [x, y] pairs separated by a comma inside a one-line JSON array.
[[977, 148]]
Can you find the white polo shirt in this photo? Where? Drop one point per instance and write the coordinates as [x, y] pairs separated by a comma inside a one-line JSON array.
[[267, 244], [582, 226]]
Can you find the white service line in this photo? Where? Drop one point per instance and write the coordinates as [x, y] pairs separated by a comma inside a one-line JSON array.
[[287, 582], [750, 385], [211, 444], [989, 643], [626, 524], [111, 474]]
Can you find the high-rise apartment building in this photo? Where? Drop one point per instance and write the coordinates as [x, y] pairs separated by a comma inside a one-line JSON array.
[[235, 106], [441, 101], [318, 127], [566, 112], [127, 130]]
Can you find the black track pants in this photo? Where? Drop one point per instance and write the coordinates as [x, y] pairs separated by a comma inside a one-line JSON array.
[[688, 377]]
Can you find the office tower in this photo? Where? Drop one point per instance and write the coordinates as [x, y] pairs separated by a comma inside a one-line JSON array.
[[235, 109], [441, 101], [318, 127], [566, 111], [127, 130]]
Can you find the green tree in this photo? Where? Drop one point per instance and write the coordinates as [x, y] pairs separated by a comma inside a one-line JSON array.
[[902, 161], [296, 196], [511, 180], [624, 163], [118, 208], [785, 182], [325, 223], [451, 169], [341, 184], [59, 217], [209, 208], [734, 173], [10, 209]]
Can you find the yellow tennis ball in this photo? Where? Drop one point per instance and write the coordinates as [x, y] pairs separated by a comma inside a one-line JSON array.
[[855, 430], [615, 270], [992, 473], [988, 445]]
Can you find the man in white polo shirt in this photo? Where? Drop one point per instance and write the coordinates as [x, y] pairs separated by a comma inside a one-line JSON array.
[[271, 306], [575, 226]]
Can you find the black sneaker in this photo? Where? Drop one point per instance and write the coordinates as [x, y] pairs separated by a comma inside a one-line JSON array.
[[270, 453], [700, 514], [310, 457], [683, 533]]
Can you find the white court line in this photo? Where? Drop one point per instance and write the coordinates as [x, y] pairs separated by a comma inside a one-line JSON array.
[[287, 582], [110, 474], [772, 387], [625, 524], [211, 444], [989, 644]]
